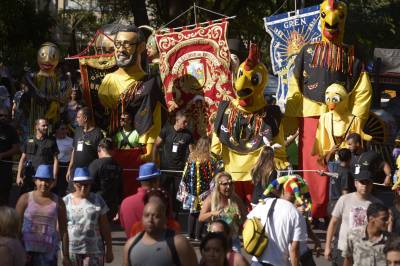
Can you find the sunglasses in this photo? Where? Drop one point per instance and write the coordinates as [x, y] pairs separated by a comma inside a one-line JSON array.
[[227, 183]]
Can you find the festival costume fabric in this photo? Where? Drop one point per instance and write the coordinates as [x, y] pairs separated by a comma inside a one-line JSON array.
[[289, 34], [317, 66], [194, 65], [195, 184], [47, 94], [243, 126]]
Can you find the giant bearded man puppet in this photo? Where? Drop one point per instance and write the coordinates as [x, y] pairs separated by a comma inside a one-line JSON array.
[[317, 66], [130, 89], [245, 125]]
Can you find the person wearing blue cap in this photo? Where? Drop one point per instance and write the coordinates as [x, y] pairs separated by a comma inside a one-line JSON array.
[[88, 226], [42, 211], [131, 208]]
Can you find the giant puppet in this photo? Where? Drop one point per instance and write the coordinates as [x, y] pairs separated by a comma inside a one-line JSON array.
[[245, 125], [317, 66], [130, 89], [48, 91]]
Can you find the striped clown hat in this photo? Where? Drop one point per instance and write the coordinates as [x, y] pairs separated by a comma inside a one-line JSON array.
[[294, 184]]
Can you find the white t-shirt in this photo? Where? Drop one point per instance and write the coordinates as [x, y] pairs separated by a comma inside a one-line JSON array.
[[65, 147], [352, 210], [286, 225], [83, 224]]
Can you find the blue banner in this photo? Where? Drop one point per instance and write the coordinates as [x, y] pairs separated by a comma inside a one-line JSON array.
[[290, 32]]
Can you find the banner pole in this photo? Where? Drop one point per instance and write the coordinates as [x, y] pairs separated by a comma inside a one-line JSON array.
[[193, 25]]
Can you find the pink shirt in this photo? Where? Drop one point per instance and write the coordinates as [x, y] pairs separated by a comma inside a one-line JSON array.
[[131, 210]]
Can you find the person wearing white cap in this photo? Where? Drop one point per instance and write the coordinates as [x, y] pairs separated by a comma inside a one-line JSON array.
[[88, 226]]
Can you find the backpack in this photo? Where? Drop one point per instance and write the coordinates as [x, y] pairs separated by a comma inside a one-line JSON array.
[[255, 238], [169, 237]]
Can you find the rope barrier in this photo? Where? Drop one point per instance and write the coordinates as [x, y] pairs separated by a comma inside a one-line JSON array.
[[170, 171]]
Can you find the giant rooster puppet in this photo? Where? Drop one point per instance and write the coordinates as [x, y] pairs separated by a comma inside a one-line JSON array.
[[317, 66], [243, 126]]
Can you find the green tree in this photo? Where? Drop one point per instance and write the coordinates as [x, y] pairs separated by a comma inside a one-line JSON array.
[[22, 30]]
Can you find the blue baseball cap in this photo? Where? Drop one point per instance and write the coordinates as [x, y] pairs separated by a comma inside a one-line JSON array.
[[82, 174], [148, 171], [44, 171]]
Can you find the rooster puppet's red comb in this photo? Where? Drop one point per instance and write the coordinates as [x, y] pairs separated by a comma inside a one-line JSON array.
[[253, 58]]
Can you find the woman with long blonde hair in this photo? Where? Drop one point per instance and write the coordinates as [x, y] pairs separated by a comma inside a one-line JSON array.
[[263, 173], [223, 203], [195, 184]]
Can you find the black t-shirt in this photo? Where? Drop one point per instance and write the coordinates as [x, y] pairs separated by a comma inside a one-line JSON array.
[[175, 148], [85, 146], [41, 151], [107, 179], [372, 161], [344, 181], [8, 137]]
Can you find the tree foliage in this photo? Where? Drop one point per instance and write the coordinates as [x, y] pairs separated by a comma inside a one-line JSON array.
[[371, 23], [22, 30]]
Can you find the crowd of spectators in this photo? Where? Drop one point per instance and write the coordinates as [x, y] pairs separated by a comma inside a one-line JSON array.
[[70, 189]]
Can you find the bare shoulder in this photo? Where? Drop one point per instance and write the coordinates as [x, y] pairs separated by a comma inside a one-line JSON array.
[[181, 241], [240, 260]]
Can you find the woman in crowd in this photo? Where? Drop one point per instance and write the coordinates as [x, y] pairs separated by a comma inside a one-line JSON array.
[[223, 203], [162, 196], [65, 146], [263, 173], [88, 226], [73, 106], [12, 252], [234, 258], [213, 248], [195, 184], [42, 211]]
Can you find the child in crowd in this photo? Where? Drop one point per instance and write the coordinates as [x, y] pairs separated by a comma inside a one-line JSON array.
[[88, 226], [42, 211], [195, 184], [213, 248], [234, 258], [341, 181]]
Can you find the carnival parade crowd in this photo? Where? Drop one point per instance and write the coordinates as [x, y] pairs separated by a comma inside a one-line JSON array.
[[238, 191], [73, 209]]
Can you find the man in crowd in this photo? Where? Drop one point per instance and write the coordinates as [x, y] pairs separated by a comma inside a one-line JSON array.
[[286, 228], [9, 145], [177, 141], [127, 137], [351, 210], [381, 170], [64, 144], [107, 177], [392, 251], [365, 245], [40, 149], [131, 209], [158, 245], [86, 140]]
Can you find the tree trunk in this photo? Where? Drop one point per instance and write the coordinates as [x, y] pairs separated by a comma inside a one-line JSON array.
[[139, 11]]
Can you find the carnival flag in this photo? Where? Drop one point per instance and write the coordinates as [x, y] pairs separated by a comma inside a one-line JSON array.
[[194, 68], [290, 32]]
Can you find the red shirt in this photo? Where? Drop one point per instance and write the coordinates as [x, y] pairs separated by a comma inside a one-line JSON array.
[[131, 210]]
